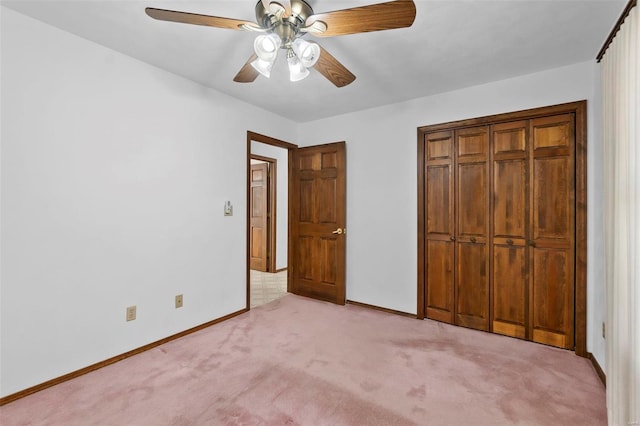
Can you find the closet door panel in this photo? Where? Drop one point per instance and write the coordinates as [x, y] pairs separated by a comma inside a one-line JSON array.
[[472, 199], [552, 199], [509, 274], [510, 198], [439, 303], [552, 240], [552, 297], [472, 225], [472, 279], [439, 224], [439, 201], [509, 290]]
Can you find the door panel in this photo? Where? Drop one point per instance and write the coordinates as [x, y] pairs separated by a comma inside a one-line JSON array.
[[472, 199], [509, 290], [552, 240], [439, 200], [552, 300], [472, 286], [439, 297], [439, 224], [472, 228], [551, 177], [258, 208], [320, 187], [510, 224], [510, 198]]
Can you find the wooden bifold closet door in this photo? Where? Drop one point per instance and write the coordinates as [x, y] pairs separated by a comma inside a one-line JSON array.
[[499, 227]]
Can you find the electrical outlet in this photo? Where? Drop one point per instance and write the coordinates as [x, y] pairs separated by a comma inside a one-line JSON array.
[[131, 313], [179, 301], [603, 330]]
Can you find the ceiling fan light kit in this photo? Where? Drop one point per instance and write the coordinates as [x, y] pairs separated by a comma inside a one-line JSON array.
[[282, 25]]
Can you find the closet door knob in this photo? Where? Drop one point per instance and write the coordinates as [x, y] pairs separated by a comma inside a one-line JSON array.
[[510, 241], [473, 239], [453, 238]]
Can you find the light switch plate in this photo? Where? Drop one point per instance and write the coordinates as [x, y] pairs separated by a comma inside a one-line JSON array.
[[131, 313]]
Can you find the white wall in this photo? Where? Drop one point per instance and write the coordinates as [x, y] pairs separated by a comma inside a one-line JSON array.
[[282, 196], [114, 175], [382, 180]]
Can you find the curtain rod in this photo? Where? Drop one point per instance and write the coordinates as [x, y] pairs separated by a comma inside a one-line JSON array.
[[615, 29]]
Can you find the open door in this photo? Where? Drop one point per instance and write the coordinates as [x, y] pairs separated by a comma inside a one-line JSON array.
[[258, 210], [318, 243]]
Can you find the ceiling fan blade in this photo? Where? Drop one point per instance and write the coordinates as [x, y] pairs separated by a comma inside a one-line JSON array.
[[196, 19], [333, 70], [247, 73], [375, 17]]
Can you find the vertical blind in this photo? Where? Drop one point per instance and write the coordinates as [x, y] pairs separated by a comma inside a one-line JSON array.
[[621, 115]]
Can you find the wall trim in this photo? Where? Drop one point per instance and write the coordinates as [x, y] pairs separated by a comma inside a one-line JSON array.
[[281, 269], [579, 108], [380, 308], [74, 374], [597, 368]]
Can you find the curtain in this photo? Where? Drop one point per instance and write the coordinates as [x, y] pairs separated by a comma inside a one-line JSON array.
[[620, 98]]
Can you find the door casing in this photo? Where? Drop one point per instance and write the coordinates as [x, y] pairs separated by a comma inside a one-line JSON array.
[[257, 137]]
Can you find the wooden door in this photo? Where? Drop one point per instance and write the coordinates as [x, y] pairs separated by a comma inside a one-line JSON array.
[[552, 240], [319, 221], [439, 226], [510, 224], [472, 226], [258, 217]]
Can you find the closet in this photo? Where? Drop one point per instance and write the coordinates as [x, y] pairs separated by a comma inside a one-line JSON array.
[[498, 230]]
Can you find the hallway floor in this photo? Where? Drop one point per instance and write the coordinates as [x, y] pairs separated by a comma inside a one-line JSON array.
[[267, 287]]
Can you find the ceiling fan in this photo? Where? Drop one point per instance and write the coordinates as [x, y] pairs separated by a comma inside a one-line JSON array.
[[282, 25]]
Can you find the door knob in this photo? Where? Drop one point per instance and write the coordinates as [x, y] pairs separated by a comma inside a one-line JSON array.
[[473, 239], [338, 231], [453, 238], [510, 241]]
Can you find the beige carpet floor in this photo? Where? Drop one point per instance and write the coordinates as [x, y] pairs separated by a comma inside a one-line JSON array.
[[297, 361]]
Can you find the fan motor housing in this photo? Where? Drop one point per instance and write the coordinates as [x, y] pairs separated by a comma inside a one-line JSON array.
[[286, 28]]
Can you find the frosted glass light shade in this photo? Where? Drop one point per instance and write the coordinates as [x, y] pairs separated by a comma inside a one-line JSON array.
[[297, 71], [266, 46], [263, 67], [307, 52]]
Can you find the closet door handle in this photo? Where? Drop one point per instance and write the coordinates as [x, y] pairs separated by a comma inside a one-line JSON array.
[[453, 238], [473, 239], [510, 241]]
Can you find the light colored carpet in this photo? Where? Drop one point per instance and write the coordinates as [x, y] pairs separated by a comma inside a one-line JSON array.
[[300, 361]]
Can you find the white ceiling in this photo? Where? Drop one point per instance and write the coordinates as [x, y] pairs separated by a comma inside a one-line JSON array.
[[452, 44]]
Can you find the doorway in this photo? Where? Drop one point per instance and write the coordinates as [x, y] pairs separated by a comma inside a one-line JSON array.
[[315, 217], [268, 164]]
